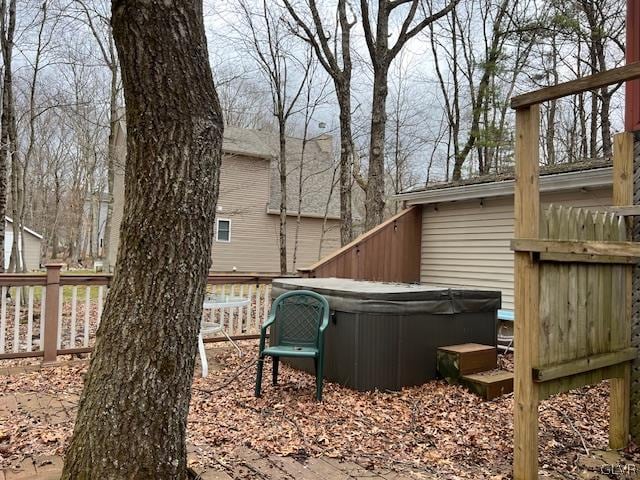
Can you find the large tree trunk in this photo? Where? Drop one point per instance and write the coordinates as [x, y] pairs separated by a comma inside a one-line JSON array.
[[375, 198], [133, 412]]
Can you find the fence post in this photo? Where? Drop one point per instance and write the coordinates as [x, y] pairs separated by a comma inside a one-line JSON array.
[[51, 305]]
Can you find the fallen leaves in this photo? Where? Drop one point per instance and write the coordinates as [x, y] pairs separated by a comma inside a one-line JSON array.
[[435, 427]]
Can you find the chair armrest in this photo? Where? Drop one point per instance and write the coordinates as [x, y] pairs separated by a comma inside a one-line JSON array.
[[323, 327], [325, 320], [263, 330]]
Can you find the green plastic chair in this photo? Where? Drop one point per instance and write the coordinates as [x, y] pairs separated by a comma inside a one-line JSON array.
[[299, 319]]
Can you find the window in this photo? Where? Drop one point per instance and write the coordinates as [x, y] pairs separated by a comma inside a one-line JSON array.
[[223, 230]]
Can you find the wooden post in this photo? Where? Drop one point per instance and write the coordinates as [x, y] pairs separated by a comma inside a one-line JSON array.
[[634, 417], [527, 219], [51, 312], [619, 402]]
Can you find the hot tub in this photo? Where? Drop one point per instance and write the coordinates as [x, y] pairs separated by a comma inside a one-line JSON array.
[[385, 336]]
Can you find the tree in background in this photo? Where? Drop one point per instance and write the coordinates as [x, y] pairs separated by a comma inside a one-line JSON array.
[[334, 54], [97, 19], [382, 54], [483, 75], [8, 130], [270, 44], [132, 415]]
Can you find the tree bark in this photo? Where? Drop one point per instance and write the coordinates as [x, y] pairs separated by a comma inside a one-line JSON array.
[[132, 415], [375, 198], [282, 168], [7, 120], [341, 75], [382, 54], [346, 161]]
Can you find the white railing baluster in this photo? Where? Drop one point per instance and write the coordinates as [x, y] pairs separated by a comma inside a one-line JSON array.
[[74, 313], [249, 320], [87, 306], [60, 322], [233, 313], [241, 310], [267, 302], [255, 314], [43, 302], [3, 319], [16, 321], [30, 321]]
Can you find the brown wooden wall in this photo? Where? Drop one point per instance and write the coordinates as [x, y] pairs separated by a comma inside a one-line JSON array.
[[388, 253]]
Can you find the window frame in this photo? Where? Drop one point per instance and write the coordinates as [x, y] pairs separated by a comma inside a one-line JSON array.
[[218, 220]]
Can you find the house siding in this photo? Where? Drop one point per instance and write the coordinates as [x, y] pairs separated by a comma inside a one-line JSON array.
[[466, 244], [244, 192], [31, 252], [244, 197]]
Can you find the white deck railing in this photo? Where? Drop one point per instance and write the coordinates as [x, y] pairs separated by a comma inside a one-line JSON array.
[[75, 304]]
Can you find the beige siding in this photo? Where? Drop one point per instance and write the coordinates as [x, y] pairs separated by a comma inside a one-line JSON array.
[[118, 193], [244, 192], [244, 195], [467, 243], [31, 252]]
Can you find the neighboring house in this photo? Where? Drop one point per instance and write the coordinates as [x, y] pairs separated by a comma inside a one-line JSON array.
[[32, 241], [467, 228], [247, 220]]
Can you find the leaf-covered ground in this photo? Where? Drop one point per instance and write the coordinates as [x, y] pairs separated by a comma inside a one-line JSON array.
[[436, 427]]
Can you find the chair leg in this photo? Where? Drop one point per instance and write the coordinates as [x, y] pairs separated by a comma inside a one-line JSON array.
[[203, 357], [276, 364], [319, 378], [259, 376]]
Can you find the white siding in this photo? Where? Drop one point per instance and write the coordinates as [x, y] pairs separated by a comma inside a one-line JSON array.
[[467, 243], [31, 248]]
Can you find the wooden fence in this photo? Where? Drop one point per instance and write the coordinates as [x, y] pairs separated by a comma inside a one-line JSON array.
[[573, 275], [46, 315], [389, 252]]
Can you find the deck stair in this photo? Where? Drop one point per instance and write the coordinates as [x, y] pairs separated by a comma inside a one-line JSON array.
[[474, 366]]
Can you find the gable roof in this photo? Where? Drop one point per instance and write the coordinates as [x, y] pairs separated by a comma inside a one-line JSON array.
[[258, 143], [28, 230]]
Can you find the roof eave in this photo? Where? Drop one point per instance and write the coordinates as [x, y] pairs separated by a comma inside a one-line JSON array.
[[594, 178]]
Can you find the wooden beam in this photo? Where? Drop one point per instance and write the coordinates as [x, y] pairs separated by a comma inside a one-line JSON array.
[[632, 54], [584, 258], [623, 210], [620, 396], [582, 365], [625, 73], [583, 247], [527, 285]]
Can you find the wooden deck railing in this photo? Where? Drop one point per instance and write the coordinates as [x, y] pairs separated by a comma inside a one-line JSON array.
[[389, 252], [50, 314]]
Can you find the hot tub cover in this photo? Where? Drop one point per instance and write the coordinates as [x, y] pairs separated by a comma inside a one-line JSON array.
[[362, 296]]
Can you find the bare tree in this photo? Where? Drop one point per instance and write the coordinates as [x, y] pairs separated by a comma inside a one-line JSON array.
[[271, 48], [312, 100], [132, 415], [335, 56], [8, 131], [382, 54], [98, 22]]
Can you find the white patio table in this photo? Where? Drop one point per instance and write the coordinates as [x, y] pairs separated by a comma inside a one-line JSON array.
[[213, 302]]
